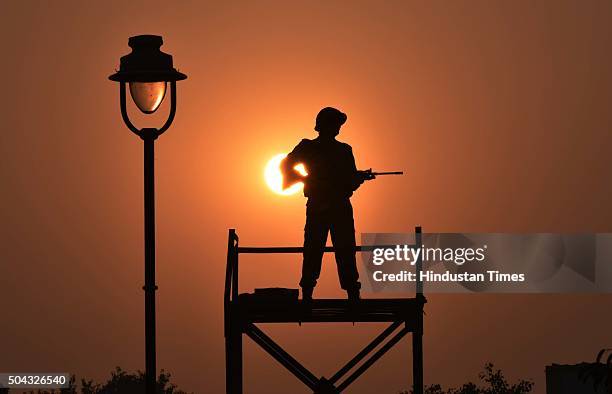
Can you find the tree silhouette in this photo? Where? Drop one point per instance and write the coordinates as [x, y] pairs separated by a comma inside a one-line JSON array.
[[120, 382], [123, 382], [494, 383]]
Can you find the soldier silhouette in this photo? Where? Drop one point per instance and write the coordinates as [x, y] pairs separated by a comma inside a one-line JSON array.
[[332, 178]]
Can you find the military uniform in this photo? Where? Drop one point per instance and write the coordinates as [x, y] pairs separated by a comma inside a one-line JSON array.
[[332, 178]]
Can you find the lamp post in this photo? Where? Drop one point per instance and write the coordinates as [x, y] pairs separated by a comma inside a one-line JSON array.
[[147, 71]]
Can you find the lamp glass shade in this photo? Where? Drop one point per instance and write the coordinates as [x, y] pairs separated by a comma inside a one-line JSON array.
[[148, 95]]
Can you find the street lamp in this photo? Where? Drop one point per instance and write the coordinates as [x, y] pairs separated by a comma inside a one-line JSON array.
[[148, 71]]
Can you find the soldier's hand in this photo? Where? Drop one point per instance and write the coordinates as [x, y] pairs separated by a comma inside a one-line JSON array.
[[366, 175]]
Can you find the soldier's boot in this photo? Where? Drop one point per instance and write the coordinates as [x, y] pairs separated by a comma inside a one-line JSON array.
[[307, 294], [353, 296], [307, 299], [353, 304]]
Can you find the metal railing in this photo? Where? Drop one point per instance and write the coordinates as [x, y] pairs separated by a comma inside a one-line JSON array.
[[234, 250]]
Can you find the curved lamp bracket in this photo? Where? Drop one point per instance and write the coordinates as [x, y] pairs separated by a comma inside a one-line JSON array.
[[147, 132]]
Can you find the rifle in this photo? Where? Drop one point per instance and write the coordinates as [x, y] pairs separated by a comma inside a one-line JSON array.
[[369, 174]]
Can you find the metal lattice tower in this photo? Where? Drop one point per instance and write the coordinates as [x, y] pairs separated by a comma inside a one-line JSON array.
[[242, 313]]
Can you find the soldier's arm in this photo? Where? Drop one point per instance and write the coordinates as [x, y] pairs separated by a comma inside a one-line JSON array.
[[290, 174], [356, 179]]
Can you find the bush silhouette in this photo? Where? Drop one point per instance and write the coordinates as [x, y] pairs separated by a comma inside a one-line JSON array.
[[494, 383], [123, 382], [120, 382]]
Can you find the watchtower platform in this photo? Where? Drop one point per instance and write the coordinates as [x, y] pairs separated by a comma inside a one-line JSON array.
[[244, 311]]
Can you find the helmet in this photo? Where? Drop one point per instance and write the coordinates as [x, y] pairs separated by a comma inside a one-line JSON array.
[[329, 116]]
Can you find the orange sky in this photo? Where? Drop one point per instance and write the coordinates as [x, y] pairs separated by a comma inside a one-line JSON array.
[[498, 112]]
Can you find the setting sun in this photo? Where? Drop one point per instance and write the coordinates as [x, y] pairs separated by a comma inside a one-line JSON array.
[[274, 177]]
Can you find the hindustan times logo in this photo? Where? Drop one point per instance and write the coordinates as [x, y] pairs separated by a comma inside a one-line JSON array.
[[411, 255]]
